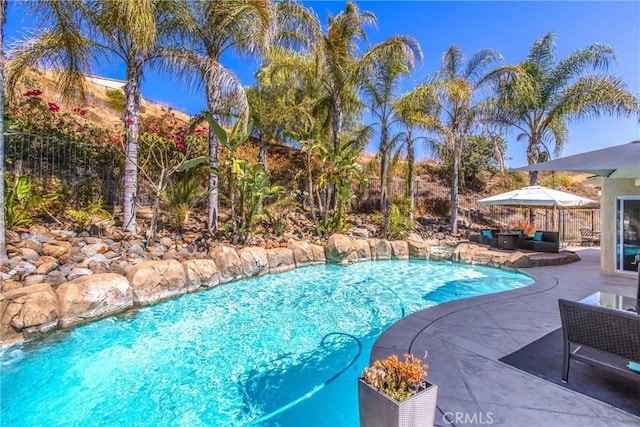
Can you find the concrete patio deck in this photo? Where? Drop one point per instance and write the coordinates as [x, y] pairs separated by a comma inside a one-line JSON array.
[[465, 339]]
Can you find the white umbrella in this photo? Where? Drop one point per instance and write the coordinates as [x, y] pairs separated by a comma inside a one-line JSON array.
[[539, 197]]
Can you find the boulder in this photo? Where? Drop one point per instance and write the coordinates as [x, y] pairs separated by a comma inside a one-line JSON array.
[[280, 260], [337, 248], [363, 233], [47, 267], [302, 253], [135, 250], [95, 248], [470, 253], [380, 249], [362, 250], [166, 242], [22, 268], [33, 279], [201, 273], [254, 261], [56, 249], [29, 254], [319, 256], [92, 297], [78, 272], [399, 249], [27, 311], [55, 278], [419, 249], [45, 259], [8, 285], [154, 281], [228, 263]]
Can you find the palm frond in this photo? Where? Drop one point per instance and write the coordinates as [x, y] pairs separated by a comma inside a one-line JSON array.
[[591, 96]]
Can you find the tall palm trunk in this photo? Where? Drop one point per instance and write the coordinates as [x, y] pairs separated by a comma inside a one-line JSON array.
[[385, 160], [411, 158], [533, 157], [337, 122], [3, 241], [262, 152], [213, 103], [132, 124], [454, 185]]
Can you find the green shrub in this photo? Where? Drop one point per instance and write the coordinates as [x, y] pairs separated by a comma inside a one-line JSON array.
[[20, 205], [399, 222], [115, 100], [556, 180]]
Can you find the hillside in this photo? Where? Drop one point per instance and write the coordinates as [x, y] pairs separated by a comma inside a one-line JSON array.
[[97, 101], [285, 164]]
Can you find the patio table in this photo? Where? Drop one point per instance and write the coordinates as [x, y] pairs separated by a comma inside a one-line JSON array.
[[507, 240]]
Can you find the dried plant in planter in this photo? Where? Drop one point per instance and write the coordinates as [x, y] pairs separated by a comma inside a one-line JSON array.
[[527, 228], [397, 379]]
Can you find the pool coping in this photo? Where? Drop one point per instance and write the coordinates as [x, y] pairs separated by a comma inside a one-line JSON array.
[[466, 338]]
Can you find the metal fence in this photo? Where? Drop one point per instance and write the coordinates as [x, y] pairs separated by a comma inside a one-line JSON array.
[[434, 199], [83, 170], [67, 167]]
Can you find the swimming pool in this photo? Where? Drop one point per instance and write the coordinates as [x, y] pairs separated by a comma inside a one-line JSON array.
[[235, 354]]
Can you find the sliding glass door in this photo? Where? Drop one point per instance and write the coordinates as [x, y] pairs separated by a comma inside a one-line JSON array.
[[627, 232]]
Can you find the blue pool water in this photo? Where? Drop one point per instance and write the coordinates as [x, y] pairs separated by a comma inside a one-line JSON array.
[[232, 355]]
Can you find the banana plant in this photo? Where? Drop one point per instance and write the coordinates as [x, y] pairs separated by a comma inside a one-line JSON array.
[[19, 203], [248, 185]]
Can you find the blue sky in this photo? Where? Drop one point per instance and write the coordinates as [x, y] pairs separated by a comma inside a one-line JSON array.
[[508, 27]]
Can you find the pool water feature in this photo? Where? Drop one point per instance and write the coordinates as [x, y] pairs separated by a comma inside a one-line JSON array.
[[262, 351]]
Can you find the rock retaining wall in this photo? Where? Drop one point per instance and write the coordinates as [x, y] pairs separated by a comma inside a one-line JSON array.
[[29, 311]]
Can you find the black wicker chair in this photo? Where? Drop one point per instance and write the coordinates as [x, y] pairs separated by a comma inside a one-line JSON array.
[[604, 337]]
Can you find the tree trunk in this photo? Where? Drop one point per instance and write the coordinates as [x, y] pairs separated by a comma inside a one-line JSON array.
[[213, 101], [153, 232], [337, 128], [310, 190], [337, 122], [3, 240], [410, 162], [533, 157], [499, 154], [454, 188], [131, 124], [385, 160], [262, 153]]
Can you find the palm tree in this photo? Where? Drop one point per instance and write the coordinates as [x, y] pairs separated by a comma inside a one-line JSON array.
[[454, 93], [412, 114], [212, 28], [85, 32], [333, 69], [380, 92], [540, 95], [3, 240], [342, 66]]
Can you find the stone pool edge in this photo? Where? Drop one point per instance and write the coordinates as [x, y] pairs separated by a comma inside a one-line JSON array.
[[32, 311]]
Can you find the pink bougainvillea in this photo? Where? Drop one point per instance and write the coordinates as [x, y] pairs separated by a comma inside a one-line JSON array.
[[33, 92], [53, 107]]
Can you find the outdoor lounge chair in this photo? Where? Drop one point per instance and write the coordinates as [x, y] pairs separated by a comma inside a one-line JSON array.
[[604, 337], [548, 241], [589, 237], [486, 237]]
